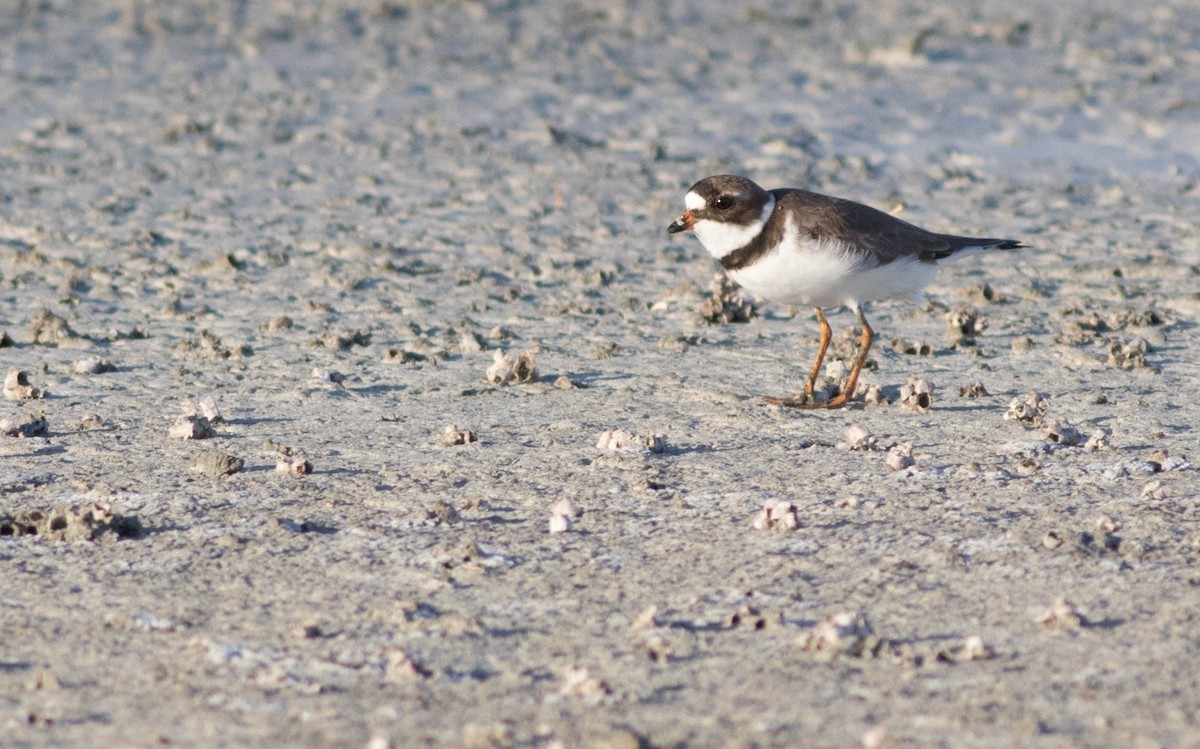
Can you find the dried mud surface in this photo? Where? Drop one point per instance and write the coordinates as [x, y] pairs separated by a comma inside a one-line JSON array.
[[266, 479]]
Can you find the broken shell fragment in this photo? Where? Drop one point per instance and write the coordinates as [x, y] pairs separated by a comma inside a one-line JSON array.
[[858, 438], [451, 436], [1062, 433], [916, 394], [1153, 490], [559, 523], [191, 427], [974, 649], [973, 390], [776, 514], [842, 633], [1028, 409], [507, 370], [1098, 441], [562, 515], [620, 439], [900, 457], [875, 396], [18, 388], [25, 425], [1062, 615], [294, 465], [93, 365]]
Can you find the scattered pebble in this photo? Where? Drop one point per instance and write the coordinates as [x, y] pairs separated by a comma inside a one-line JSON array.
[[206, 407], [559, 523], [843, 633], [49, 329], [1153, 490], [1028, 409], [916, 394], [646, 619], [562, 515], [900, 457], [858, 438], [566, 383], [87, 522], [776, 515], [191, 427], [875, 396], [451, 437], [974, 649], [25, 424], [1062, 615], [296, 465], [207, 345], [963, 324], [18, 388], [1062, 433], [1127, 355], [213, 463], [874, 737], [620, 439], [911, 348], [726, 303], [578, 682], [973, 390], [470, 343], [508, 369], [1105, 524], [92, 365], [1098, 441], [91, 421]]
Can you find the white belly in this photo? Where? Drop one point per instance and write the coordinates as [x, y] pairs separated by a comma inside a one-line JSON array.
[[825, 274]]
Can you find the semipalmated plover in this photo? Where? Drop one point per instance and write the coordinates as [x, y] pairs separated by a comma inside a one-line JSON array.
[[797, 247]]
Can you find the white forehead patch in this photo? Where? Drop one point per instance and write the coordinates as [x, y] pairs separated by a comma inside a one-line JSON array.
[[693, 202]]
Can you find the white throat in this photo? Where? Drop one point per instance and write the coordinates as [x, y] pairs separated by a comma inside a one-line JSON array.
[[721, 238]]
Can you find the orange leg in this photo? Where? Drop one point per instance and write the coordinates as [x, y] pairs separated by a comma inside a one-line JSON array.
[[822, 347], [860, 359], [806, 400]]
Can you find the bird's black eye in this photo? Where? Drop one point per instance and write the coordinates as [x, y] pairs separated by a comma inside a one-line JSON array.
[[723, 203]]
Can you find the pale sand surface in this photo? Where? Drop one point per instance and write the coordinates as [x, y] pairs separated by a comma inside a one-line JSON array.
[[391, 176]]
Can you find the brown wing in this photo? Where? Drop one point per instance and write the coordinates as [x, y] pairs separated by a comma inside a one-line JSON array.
[[875, 233]]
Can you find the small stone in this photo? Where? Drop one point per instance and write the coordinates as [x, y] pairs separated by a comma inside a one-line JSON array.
[[974, 649], [212, 463], [93, 365], [726, 303]]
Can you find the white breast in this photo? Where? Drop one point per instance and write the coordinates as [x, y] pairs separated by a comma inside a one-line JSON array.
[[828, 273]]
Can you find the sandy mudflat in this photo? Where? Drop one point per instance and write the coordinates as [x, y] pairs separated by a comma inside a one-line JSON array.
[[327, 217]]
